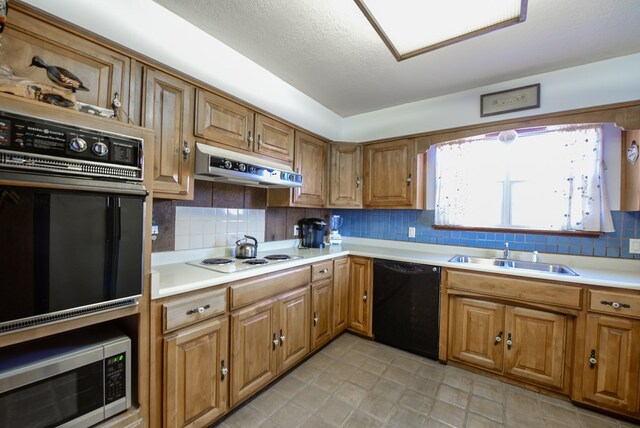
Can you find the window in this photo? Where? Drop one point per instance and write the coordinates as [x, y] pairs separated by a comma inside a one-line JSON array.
[[543, 178]]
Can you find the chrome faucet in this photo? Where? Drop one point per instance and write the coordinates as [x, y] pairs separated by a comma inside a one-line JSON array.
[[506, 253]]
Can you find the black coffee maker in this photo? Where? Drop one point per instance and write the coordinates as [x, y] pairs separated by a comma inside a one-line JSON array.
[[313, 232]]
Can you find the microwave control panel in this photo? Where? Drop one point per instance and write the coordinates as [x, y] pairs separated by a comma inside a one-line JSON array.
[[115, 377]]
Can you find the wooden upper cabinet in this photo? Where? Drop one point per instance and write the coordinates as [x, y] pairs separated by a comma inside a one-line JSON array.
[[167, 111], [345, 176], [394, 175], [224, 122], [630, 182], [610, 379], [104, 71], [273, 138]]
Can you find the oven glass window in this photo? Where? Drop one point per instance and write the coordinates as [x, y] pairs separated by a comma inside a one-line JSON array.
[[55, 400], [63, 250]]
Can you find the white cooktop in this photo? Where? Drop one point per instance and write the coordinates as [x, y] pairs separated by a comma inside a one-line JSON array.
[[231, 265]]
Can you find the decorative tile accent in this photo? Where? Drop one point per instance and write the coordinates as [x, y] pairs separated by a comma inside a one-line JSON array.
[[394, 224], [198, 227]]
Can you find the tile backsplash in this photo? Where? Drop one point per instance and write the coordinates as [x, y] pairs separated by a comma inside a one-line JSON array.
[[203, 227], [394, 225]]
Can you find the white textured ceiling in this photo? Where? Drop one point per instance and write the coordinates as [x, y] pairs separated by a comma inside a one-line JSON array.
[[328, 50]]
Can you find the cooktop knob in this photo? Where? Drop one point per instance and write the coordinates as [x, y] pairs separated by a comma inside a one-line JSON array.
[[100, 148], [228, 164], [242, 167], [77, 144]]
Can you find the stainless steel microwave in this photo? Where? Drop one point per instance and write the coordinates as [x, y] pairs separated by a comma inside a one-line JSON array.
[[74, 380]]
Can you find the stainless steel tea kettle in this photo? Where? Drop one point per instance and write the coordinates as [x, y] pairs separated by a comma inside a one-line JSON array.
[[246, 250]]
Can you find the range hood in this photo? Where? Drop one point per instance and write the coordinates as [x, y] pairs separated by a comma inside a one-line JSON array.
[[216, 164]]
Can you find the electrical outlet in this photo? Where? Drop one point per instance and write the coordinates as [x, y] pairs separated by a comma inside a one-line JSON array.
[[412, 232], [296, 230], [634, 246]]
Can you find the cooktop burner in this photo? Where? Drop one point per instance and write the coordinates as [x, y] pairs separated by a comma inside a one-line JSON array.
[[278, 257], [219, 261], [256, 262]]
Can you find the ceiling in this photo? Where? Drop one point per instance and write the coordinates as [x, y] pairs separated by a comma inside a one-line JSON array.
[[328, 50]]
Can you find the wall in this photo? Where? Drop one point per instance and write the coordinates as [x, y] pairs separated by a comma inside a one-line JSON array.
[[394, 224]]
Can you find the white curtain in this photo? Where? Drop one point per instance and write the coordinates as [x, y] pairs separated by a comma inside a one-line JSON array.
[[554, 179]]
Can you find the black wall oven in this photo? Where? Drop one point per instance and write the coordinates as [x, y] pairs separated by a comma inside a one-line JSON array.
[[72, 206]]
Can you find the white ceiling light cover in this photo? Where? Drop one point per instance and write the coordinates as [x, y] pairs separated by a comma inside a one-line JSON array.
[[417, 26]]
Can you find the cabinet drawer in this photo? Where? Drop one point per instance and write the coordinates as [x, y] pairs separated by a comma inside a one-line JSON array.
[[182, 312], [320, 271], [534, 291], [255, 289], [611, 302]]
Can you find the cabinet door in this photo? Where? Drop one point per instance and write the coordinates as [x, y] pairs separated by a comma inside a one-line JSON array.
[[293, 331], [253, 349], [345, 176], [535, 345], [195, 388], [630, 174], [390, 174], [477, 332], [167, 112], [311, 161], [340, 295], [612, 381], [360, 295], [103, 71], [222, 121], [321, 320], [274, 139]]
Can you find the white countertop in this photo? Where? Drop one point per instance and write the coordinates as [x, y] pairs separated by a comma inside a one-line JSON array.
[[171, 275]]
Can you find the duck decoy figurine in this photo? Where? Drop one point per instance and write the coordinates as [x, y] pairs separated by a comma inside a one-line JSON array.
[[60, 76]]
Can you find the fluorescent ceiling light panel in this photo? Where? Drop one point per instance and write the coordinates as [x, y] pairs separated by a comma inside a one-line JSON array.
[[413, 27]]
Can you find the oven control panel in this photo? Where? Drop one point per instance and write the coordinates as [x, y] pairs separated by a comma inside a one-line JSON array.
[[33, 143]]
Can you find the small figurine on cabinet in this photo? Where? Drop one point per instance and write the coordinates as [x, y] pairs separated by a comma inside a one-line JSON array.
[[60, 76], [4, 10]]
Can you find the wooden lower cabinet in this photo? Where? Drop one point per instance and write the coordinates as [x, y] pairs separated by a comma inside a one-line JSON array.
[[267, 338], [521, 343], [361, 296], [196, 382], [610, 379], [321, 319], [340, 296]]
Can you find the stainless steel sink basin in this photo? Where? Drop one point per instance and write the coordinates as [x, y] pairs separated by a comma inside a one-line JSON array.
[[515, 264]]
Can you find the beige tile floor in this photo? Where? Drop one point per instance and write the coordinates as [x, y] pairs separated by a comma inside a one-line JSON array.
[[354, 382]]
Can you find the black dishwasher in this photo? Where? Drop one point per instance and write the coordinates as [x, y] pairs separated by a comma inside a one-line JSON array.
[[406, 306]]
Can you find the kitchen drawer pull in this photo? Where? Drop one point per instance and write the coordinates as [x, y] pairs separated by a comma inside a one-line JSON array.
[[315, 318], [275, 341], [357, 182], [325, 270], [186, 150], [260, 142], [198, 310], [409, 179], [615, 305], [223, 370], [249, 140], [281, 337], [498, 338], [592, 359], [509, 341], [365, 296]]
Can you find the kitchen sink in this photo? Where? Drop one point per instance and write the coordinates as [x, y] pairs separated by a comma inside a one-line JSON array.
[[515, 264]]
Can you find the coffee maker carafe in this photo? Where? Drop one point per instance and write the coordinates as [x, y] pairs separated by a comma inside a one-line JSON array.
[[313, 232]]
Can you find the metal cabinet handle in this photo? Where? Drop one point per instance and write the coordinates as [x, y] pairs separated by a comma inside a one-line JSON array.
[[365, 296], [498, 338], [409, 180], [509, 341], [186, 150], [325, 270], [260, 142], [615, 305], [592, 359], [357, 182], [198, 310], [281, 337], [275, 341], [249, 140], [315, 318], [223, 370]]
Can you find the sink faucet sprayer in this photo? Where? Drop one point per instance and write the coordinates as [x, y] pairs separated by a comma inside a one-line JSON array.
[[506, 253]]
